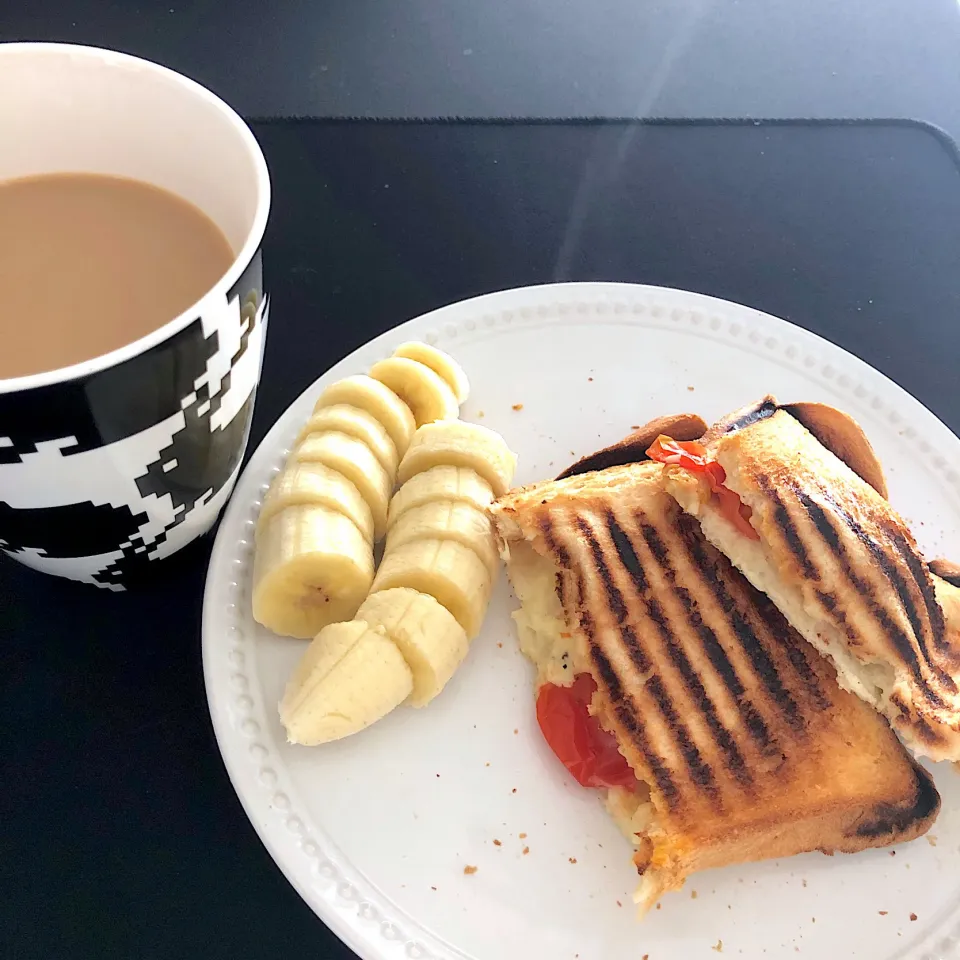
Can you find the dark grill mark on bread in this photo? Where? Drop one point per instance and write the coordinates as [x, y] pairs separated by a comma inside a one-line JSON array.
[[763, 666], [626, 553], [680, 660], [921, 576], [824, 524], [831, 604], [700, 771], [708, 569], [615, 599], [626, 715], [766, 671], [926, 733], [901, 707], [781, 633], [744, 417], [945, 570], [791, 536], [893, 820], [899, 583], [559, 551], [717, 656]]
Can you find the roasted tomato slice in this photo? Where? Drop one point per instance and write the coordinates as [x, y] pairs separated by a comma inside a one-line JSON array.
[[692, 455], [578, 740]]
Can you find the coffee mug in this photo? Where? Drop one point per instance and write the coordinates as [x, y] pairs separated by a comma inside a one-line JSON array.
[[114, 463]]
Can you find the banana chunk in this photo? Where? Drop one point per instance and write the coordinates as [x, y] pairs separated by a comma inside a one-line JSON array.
[[447, 520], [450, 572], [440, 363], [378, 400], [355, 422], [426, 633], [440, 483], [459, 444], [350, 676], [313, 566], [422, 390], [303, 484], [357, 462]]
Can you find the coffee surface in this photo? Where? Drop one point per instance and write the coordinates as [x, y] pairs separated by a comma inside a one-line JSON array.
[[90, 263]]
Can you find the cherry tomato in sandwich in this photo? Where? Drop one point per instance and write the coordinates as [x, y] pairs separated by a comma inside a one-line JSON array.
[[576, 737], [692, 455]]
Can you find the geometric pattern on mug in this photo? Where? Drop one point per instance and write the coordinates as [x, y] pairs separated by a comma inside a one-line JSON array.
[[142, 488]]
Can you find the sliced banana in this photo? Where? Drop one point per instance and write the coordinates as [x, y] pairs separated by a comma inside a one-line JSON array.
[[300, 484], [426, 633], [350, 676], [458, 444], [378, 400], [440, 483], [440, 363], [422, 390], [448, 571], [357, 462], [355, 422], [447, 520], [313, 566]]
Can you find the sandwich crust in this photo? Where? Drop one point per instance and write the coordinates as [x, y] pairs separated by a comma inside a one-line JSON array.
[[633, 447], [743, 745], [845, 569]]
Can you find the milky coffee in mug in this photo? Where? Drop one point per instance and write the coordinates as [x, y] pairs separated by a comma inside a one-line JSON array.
[[91, 262]]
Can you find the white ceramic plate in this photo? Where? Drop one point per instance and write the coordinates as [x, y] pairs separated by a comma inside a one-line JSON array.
[[375, 832]]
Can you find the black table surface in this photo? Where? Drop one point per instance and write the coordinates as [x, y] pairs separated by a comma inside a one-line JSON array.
[[565, 58], [121, 836]]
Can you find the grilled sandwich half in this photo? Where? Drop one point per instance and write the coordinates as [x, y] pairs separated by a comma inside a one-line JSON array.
[[741, 745], [841, 565]]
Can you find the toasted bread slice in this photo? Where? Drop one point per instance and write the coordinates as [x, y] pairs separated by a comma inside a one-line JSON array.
[[633, 447], [836, 430], [743, 745], [843, 568]]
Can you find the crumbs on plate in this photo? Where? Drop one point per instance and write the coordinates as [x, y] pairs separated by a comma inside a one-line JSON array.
[[517, 406], [469, 869]]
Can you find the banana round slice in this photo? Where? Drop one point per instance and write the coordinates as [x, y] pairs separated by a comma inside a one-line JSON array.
[[447, 520], [459, 444], [422, 390], [440, 483], [349, 677], [426, 633], [357, 462], [345, 418], [300, 484], [312, 567], [440, 363], [448, 571], [378, 400]]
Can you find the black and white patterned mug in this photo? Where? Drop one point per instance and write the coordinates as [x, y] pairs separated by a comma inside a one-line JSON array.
[[114, 463]]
